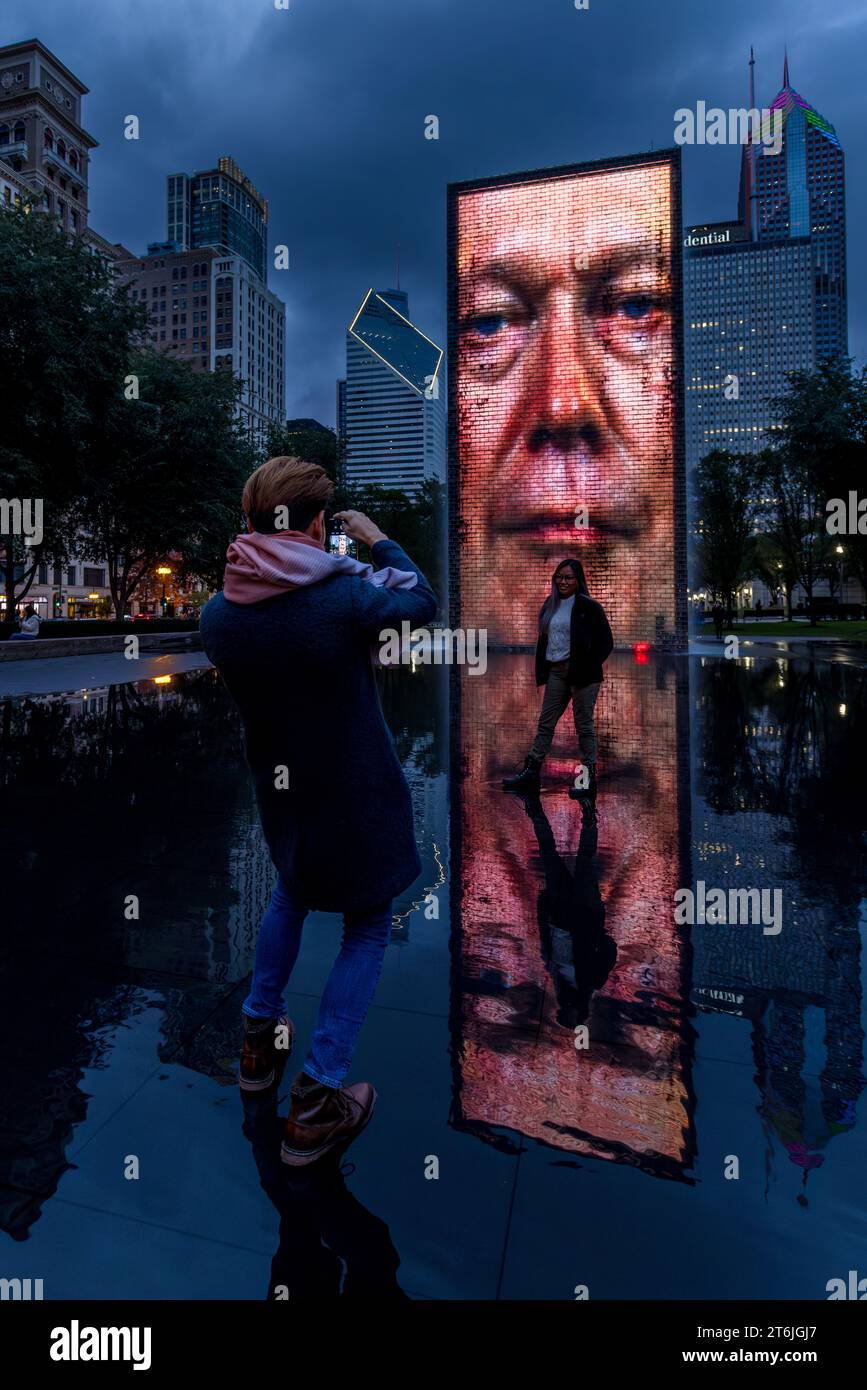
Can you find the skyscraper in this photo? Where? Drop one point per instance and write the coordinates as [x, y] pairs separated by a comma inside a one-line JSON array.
[[801, 192], [765, 295], [749, 321], [391, 407], [221, 208], [205, 287]]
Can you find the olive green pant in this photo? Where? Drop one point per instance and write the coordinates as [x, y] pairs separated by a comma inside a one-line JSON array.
[[558, 693]]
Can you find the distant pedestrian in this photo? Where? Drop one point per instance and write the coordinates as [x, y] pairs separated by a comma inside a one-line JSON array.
[[28, 626], [717, 612]]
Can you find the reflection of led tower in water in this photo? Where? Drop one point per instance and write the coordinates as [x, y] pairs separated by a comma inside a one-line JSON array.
[[555, 932]]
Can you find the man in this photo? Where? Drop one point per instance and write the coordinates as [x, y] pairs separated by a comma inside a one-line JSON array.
[[564, 395], [292, 634]]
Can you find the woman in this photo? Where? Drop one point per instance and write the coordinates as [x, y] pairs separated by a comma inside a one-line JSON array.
[[292, 635], [28, 626], [574, 640]]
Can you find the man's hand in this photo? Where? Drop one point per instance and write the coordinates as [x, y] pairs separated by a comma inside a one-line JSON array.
[[360, 527]]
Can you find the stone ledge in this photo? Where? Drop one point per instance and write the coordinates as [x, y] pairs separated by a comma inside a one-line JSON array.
[[87, 646]]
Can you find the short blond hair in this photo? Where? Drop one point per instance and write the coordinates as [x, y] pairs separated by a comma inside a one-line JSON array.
[[302, 488]]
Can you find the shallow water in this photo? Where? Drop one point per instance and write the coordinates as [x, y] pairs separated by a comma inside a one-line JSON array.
[[574, 1089]]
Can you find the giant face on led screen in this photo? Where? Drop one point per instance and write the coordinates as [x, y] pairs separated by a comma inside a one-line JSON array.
[[565, 330]]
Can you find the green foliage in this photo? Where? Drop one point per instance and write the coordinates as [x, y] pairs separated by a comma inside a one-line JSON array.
[[765, 515], [417, 524], [725, 488], [64, 334], [820, 452], [298, 439], [163, 475]]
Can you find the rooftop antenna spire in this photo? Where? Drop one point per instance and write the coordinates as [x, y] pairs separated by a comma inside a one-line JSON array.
[[786, 66], [751, 156]]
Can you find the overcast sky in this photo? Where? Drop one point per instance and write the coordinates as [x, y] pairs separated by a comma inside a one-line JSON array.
[[323, 105]]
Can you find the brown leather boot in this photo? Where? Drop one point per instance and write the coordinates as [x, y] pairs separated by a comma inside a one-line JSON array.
[[323, 1118]]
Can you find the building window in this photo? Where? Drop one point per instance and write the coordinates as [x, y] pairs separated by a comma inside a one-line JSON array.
[[70, 575], [93, 577]]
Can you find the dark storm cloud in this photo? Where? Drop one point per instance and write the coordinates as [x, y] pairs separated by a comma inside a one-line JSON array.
[[324, 106]]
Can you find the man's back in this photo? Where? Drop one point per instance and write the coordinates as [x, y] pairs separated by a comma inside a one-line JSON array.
[[338, 820]]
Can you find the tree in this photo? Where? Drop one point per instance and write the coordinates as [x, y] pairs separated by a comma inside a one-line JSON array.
[[64, 331], [725, 486], [768, 563], [417, 524], [163, 474], [305, 439], [819, 451]]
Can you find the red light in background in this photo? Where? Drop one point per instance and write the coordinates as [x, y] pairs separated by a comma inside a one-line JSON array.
[[641, 650]]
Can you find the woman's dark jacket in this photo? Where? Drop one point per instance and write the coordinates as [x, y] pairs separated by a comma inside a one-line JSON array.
[[590, 643], [299, 667]]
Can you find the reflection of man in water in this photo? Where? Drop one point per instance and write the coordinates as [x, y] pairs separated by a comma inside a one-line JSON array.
[[330, 1245], [564, 395]]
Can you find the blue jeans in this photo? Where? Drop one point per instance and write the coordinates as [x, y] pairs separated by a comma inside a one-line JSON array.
[[348, 992]]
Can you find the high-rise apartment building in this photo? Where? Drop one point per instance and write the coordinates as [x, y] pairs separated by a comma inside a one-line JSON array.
[[219, 207], [205, 288], [391, 406]]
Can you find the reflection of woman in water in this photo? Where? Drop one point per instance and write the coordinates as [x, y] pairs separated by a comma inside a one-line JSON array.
[[574, 640], [578, 953]]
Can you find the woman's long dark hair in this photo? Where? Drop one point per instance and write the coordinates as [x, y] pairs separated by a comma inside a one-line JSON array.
[[551, 602]]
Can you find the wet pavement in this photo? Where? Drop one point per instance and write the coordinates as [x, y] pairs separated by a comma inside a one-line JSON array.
[[512, 1154], [45, 676]]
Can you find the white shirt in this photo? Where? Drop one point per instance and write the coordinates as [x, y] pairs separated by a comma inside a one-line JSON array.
[[558, 630]]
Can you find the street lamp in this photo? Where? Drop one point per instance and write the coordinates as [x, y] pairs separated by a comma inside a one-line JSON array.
[[164, 572], [841, 552]]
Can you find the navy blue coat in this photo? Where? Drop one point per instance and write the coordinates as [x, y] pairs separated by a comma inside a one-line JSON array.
[[299, 667], [590, 643]]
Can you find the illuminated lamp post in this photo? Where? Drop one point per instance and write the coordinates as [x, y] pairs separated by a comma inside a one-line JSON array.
[[163, 571]]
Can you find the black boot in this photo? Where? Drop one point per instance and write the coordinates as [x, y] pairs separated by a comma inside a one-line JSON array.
[[527, 780]]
